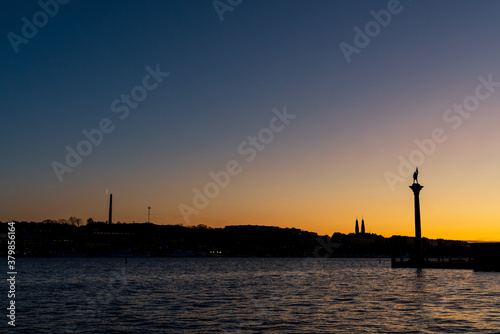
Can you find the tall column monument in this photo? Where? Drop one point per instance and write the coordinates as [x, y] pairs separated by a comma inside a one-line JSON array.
[[416, 187]]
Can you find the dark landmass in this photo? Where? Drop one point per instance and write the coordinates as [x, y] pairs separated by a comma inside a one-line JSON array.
[[99, 239]]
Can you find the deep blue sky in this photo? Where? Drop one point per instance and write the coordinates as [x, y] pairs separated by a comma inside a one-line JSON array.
[[353, 120]]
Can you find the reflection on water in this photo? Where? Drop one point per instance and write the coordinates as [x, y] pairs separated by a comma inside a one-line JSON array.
[[251, 296]]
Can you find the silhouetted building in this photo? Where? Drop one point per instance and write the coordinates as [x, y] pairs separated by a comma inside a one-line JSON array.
[[486, 256], [100, 239], [362, 226], [357, 226]]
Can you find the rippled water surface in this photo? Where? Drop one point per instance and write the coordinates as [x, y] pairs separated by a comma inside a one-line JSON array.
[[217, 295]]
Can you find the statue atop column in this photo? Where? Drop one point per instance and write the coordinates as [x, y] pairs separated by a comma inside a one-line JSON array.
[[416, 187], [415, 176]]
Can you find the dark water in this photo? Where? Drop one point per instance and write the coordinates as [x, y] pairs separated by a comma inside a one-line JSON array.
[[250, 296]]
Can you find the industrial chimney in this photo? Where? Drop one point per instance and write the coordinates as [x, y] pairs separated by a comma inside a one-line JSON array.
[[110, 207]]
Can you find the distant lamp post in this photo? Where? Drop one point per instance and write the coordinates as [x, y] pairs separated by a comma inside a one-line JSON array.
[[149, 209]]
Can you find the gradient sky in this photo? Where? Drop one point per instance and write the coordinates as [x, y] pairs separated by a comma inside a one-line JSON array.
[[327, 167]]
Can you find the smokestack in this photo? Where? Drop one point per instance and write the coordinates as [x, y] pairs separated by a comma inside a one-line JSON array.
[[110, 207]]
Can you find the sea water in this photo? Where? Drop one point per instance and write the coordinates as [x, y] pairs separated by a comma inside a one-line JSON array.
[[249, 295]]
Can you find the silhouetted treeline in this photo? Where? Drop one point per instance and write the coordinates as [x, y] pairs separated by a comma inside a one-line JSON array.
[[72, 239], [373, 245]]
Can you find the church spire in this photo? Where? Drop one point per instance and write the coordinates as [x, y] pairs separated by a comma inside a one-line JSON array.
[[357, 226], [362, 225]]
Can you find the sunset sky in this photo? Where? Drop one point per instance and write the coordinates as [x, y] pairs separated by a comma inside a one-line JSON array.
[[336, 157]]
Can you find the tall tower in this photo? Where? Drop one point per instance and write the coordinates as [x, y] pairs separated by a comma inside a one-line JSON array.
[[362, 226], [110, 207], [416, 187], [357, 226]]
